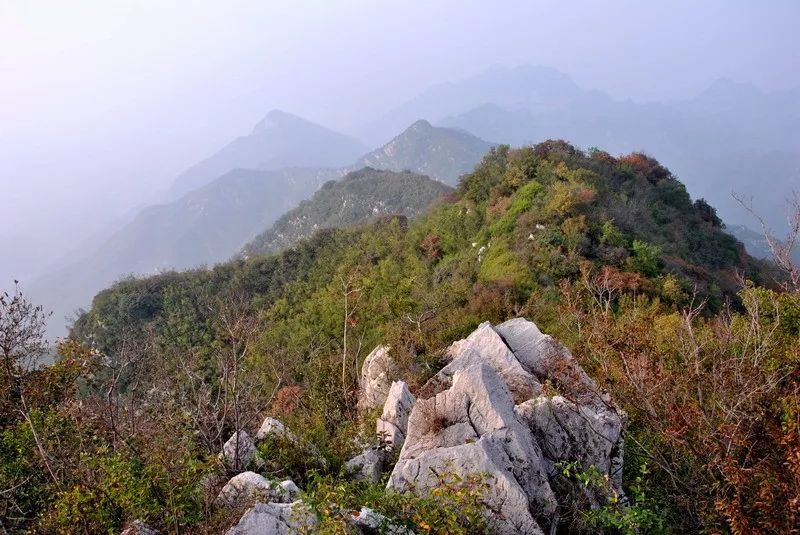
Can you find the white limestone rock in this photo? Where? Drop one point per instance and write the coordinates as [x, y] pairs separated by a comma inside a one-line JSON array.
[[239, 452], [367, 466], [392, 426], [249, 487], [368, 521], [471, 429], [275, 519], [486, 346], [375, 379]]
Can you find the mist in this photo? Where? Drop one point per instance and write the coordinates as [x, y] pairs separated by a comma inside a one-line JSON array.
[[103, 104]]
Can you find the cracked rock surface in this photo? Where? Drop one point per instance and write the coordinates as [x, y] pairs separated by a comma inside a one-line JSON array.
[[485, 413]]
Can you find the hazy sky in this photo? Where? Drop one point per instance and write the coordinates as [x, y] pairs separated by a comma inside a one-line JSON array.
[[102, 103]]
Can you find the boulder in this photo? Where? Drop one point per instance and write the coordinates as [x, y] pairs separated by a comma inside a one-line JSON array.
[[472, 429], [375, 381], [485, 413], [275, 519], [250, 486], [485, 346], [272, 427], [393, 423], [239, 452], [367, 466]]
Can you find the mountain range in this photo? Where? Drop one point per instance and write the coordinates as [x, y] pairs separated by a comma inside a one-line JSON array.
[[731, 137], [213, 222], [361, 196]]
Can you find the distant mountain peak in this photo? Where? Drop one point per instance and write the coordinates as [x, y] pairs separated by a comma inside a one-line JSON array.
[[420, 124], [441, 153], [277, 118]]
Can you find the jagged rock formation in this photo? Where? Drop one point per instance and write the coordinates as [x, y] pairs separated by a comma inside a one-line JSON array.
[[486, 414], [375, 382], [393, 423]]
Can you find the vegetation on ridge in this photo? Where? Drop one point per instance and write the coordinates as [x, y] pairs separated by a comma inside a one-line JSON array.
[[608, 254]]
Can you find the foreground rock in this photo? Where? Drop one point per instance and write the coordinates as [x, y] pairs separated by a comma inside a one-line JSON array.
[[367, 466], [239, 452], [275, 519], [485, 346], [472, 429], [485, 414], [250, 486], [393, 423], [375, 379]]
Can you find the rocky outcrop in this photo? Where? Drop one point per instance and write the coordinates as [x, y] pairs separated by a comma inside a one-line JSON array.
[[239, 452], [250, 486], [485, 346], [375, 379], [472, 429], [393, 423], [275, 519], [272, 427], [367, 466], [486, 413]]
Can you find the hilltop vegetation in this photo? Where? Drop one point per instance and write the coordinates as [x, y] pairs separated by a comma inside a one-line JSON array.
[[441, 153], [608, 254], [360, 197]]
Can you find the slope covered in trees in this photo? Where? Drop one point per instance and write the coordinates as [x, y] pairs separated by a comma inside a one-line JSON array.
[[610, 255], [361, 196], [441, 153]]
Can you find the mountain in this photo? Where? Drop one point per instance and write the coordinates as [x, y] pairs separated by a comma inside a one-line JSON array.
[[361, 196], [732, 137], [212, 223], [528, 87], [203, 227], [441, 153], [606, 253], [279, 140]]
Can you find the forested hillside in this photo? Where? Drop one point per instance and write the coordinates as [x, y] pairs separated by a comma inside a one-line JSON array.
[[690, 336], [360, 197]]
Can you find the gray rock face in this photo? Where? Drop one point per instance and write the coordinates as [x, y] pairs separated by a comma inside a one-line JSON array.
[[486, 415], [368, 466], [472, 429], [248, 487], [275, 519], [485, 346], [375, 379], [239, 452], [546, 358], [393, 423]]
